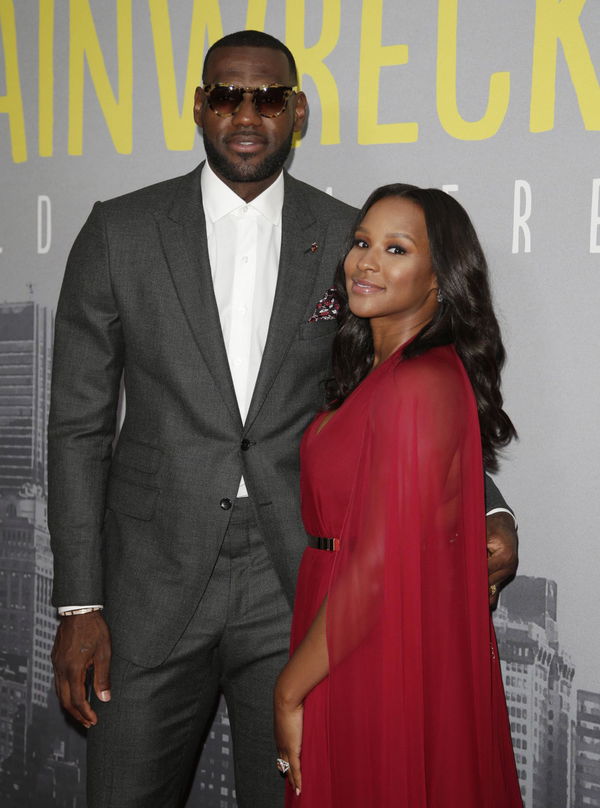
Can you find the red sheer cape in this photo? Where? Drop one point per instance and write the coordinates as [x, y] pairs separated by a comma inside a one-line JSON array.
[[416, 706]]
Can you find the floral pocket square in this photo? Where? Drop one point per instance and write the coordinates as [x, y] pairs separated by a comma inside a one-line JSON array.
[[327, 308]]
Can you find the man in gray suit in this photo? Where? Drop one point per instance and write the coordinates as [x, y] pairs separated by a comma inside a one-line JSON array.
[[185, 541]]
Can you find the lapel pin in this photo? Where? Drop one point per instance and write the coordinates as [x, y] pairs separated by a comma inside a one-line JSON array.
[[313, 247]]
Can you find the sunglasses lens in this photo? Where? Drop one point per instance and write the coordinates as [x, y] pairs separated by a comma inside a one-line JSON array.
[[268, 101], [271, 101], [225, 100]]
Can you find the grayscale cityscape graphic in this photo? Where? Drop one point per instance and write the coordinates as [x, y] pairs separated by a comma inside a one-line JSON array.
[[555, 727]]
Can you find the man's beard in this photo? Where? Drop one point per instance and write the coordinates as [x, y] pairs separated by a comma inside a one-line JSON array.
[[242, 171]]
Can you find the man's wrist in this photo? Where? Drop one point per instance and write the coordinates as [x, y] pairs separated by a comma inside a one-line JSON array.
[[503, 510], [68, 611]]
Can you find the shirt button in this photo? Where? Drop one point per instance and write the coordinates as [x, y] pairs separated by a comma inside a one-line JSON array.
[[237, 361], [242, 310], [225, 504], [244, 259], [245, 209]]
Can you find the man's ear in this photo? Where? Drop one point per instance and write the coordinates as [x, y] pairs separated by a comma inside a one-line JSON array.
[[300, 111]]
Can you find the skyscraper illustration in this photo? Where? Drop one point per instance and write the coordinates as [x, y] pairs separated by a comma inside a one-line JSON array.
[[538, 680], [39, 754], [26, 331], [27, 620], [13, 696], [214, 784], [586, 786]]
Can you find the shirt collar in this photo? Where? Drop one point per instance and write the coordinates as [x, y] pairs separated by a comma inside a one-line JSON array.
[[219, 200]]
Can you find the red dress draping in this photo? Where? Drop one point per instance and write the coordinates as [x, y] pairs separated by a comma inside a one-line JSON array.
[[412, 713]]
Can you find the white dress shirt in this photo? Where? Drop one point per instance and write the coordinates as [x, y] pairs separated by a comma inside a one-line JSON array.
[[244, 242]]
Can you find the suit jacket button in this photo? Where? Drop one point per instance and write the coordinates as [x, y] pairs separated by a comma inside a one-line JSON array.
[[225, 503], [245, 445]]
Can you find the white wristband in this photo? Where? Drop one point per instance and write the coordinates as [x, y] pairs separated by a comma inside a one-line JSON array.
[[83, 610]]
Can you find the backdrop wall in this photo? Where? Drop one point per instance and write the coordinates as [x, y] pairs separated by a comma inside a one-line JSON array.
[[497, 102]]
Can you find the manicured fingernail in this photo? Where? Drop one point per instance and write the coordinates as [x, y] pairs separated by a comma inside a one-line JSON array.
[[297, 792], [105, 695]]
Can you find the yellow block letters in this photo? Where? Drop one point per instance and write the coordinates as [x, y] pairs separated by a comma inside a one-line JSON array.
[[84, 46], [310, 60], [374, 56], [559, 20], [178, 122], [447, 107], [12, 102]]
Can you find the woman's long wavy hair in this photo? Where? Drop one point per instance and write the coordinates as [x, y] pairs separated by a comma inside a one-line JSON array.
[[465, 317]]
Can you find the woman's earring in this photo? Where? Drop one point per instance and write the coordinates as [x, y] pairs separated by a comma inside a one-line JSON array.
[[440, 296]]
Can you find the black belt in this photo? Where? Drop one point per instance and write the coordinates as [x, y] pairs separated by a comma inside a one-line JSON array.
[[321, 543]]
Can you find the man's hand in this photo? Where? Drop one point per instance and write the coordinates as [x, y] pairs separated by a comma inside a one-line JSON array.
[[503, 552], [82, 641]]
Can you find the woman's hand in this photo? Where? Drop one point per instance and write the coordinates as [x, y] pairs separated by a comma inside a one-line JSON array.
[[308, 665], [288, 719]]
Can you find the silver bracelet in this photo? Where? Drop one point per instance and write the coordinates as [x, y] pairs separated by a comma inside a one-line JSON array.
[[84, 610]]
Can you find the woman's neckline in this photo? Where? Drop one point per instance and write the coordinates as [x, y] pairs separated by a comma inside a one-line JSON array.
[[393, 353], [329, 415]]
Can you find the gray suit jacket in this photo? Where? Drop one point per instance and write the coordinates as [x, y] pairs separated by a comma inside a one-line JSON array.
[[140, 530]]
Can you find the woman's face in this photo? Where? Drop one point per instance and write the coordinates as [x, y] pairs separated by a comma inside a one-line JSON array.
[[388, 270]]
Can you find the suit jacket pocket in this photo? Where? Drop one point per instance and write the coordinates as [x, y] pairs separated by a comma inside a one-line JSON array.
[[137, 455], [134, 500], [321, 328]]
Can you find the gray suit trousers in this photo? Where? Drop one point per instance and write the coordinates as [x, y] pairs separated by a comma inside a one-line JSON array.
[[144, 748]]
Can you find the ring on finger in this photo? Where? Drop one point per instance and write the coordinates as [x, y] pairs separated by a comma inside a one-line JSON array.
[[283, 765]]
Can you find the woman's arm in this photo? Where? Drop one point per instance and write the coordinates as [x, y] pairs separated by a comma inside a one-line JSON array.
[[306, 668]]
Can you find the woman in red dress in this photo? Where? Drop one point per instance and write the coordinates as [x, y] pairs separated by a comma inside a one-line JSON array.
[[393, 693]]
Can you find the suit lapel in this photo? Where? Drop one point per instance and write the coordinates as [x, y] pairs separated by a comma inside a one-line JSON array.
[[298, 267], [183, 234]]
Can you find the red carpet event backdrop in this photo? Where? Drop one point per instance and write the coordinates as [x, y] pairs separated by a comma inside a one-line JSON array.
[[497, 103]]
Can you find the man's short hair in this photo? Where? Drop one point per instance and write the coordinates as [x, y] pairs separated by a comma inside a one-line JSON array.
[[252, 39]]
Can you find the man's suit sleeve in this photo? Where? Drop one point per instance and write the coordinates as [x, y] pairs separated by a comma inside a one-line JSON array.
[[494, 501], [87, 368]]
